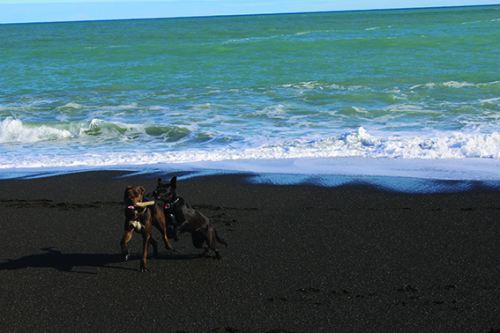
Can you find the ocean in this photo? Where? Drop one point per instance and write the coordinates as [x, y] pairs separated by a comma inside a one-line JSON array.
[[397, 93]]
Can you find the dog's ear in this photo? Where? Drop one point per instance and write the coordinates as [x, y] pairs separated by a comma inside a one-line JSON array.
[[143, 190], [159, 181], [173, 182]]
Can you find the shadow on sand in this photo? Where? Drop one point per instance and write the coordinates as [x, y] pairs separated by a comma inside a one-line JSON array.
[[53, 258]]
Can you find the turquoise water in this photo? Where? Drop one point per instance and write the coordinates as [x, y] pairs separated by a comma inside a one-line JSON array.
[[244, 92]]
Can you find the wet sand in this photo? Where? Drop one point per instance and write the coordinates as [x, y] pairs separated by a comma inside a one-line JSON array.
[[300, 259]]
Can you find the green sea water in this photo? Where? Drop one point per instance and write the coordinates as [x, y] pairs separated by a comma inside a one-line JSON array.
[[377, 48], [410, 84]]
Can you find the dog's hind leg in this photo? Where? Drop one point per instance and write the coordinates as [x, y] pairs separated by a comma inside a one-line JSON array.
[[167, 244], [163, 231], [199, 241], [210, 236], [160, 224]]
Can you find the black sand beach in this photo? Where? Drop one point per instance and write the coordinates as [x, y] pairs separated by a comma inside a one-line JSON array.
[[300, 259]]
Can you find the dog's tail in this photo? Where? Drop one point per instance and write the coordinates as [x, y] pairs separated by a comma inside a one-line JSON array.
[[220, 240]]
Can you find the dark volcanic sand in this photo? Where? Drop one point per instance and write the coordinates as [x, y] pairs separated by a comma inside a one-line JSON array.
[[300, 259]]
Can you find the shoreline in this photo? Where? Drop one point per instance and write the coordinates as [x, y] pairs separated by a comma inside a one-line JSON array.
[[399, 175], [301, 258]]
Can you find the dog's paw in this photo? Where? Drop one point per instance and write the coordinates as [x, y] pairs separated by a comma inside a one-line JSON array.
[[143, 270]]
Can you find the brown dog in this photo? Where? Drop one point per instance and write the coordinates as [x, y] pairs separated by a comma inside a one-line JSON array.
[[141, 216], [187, 219]]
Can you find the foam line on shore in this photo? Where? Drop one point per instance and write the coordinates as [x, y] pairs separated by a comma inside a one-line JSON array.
[[410, 176]]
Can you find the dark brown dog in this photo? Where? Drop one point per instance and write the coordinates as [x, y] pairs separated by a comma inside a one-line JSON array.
[[141, 216], [187, 219]]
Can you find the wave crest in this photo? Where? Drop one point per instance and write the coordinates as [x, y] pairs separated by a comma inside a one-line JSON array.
[[14, 131]]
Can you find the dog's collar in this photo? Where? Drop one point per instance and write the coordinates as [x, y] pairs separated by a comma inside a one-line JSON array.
[[136, 216], [169, 205]]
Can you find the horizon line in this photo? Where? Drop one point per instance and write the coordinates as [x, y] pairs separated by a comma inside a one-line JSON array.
[[256, 14]]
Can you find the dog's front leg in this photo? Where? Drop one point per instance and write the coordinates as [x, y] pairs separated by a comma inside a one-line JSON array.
[[127, 235], [174, 227], [145, 243]]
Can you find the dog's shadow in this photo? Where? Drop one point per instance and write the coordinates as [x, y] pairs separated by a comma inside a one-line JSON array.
[[67, 262]]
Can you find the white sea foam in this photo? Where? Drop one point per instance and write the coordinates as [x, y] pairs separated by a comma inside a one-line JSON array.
[[14, 131], [183, 144], [455, 84], [70, 105], [311, 85], [452, 84], [356, 143]]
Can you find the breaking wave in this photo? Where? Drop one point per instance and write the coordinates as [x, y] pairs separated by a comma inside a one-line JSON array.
[[101, 143], [14, 131]]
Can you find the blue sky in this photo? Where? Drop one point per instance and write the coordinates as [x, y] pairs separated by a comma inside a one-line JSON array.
[[21, 11]]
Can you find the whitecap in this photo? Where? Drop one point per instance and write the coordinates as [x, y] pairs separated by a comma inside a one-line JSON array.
[[14, 131], [70, 105], [455, 84], [448, 84]]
